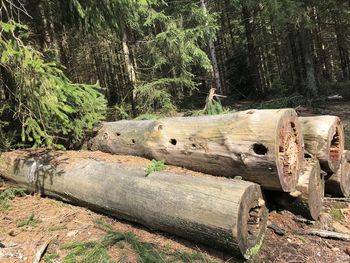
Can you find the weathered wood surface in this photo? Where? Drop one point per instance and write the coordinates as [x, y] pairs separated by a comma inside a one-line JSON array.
[[339, 183], [262, 146], [308, 199], [324, 138], [328, 234], [228, 214]]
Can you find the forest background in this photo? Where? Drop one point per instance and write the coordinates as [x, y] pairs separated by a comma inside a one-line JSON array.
[[66, 65]]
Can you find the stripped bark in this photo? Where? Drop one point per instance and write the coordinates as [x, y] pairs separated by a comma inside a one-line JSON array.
[[262, 146], [229, 214]]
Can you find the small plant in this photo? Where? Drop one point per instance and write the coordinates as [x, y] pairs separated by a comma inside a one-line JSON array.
[[8, 195], [155, 166], [31, 221], [57, 227], [336, 214], [50, 258]]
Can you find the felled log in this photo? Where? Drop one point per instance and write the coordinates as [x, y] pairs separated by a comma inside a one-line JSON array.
[[324, 138], [308, 199], [339, 183], [262, 146], [228, 214]]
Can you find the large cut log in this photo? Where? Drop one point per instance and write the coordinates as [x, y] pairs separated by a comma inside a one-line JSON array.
[[308, 199], [339, 183], [324, 138], [262, 146], [228, 214]]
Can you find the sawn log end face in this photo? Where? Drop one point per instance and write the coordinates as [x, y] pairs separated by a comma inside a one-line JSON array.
[[252, 221], [289, 150], [324, 137]]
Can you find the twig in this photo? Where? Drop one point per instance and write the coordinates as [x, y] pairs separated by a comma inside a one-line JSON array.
[[41, 251], [328, 234], [344, 199]]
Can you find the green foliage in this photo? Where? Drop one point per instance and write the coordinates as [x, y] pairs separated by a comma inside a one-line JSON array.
[[47, 105], [50, 258], [7, 195], [336, 214], [97, 251], [214, 107], [174, 40], [149, 116], [57, 227], [155, 166], [31, 221]]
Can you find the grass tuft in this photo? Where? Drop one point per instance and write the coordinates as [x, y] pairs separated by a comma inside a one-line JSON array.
[[7, 195], [31, 221], [155, 166], [50, 258], [97, 251], [336, 214]]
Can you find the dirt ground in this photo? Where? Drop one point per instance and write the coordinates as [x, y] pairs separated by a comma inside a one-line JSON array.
[[32, 221], [61, 223]]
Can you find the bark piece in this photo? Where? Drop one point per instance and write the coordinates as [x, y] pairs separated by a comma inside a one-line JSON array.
[[328, 234], [324, 138], [262, 146], [229, 214], [339, 183]]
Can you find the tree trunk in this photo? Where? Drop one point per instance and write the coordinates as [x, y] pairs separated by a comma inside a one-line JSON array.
[[262, 146], [339, 183], [130, 69], [324, 138], [308, 199], [229, 214], [252, 50], [214, 60]]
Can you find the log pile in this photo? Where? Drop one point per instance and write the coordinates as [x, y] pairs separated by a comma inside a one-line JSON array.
[[241, 154]]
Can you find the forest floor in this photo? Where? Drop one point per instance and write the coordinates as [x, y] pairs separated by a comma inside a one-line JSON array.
[[29, 223]]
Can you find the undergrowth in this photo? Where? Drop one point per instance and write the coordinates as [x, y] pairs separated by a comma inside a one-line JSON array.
[[336, 214], [31, 221], [97, 251], [50, 258], [8, 195], [155, 166]]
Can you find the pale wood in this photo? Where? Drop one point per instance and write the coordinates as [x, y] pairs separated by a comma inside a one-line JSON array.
[[262, 146], [328, 234], [225, 213], [308, 200], [339, 183], [324, 138]]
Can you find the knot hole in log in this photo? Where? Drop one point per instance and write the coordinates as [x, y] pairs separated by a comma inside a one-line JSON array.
[[173, 141], [260, 149]]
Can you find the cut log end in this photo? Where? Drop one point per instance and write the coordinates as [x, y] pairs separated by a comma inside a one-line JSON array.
[[336, 145], [324, 138], [308, 199], [252, 221], [290, 151], [315, 190], [339, 183]]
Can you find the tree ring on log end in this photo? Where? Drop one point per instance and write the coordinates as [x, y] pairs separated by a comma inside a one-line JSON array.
[[290, 150], [252, 221], [336, 145]]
